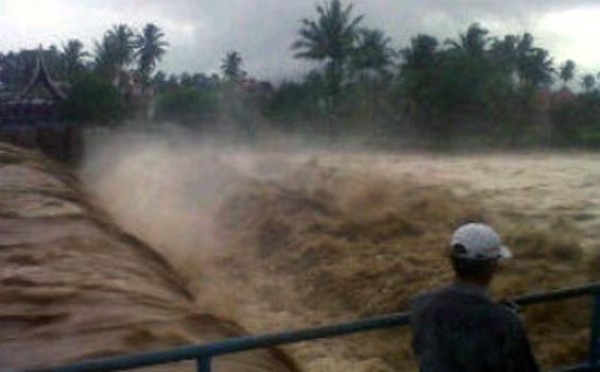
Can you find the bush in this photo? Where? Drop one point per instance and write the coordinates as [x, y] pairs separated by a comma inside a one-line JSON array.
[[187, 104], [577, 122], [94, 100]]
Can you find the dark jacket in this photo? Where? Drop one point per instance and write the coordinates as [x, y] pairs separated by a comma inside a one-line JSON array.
[[459, 329]]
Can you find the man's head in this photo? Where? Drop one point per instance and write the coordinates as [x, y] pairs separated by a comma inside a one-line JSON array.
[[475, 251]]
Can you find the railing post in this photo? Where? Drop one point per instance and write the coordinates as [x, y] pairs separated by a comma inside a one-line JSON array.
[[594, 358], [204, 364]]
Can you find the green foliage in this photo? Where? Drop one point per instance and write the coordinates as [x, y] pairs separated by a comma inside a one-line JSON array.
[[187, 105], [73, 56], [331, 36], [536, 68], [372, 53], [567, 71], [331, 39], [294, 103], [473, 85], [473, 88], [102, 89], [121, 47], [576, 122], [150, 48], [231, 67], [588, 82], [115, 51], [93, 100]]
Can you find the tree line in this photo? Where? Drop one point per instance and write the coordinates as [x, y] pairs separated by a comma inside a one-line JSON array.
[[488, 89], [96, 81], [475, 88]]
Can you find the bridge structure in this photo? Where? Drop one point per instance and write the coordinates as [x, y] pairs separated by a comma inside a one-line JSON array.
[[204, 354], [32, 117]]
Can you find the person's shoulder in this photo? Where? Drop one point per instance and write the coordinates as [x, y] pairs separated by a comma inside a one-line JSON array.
[[424, 299], [507, 314], [428, 295]]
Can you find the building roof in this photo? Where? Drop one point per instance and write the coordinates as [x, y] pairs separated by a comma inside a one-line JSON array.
[[41, 76]]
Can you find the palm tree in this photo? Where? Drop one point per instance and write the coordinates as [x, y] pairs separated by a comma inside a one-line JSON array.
[[534, 65], [422, 53], [330, 39], [231, 67], [72, 57], [468, 61], [473, 42], [372, 54], [116, 50], [371, 62], [505, 52], [567, 72], [123, 39], [588, 82], [418, 71], [537, 68], [150, 49]]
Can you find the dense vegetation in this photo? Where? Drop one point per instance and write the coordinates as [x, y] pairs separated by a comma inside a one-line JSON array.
[[475, 89]]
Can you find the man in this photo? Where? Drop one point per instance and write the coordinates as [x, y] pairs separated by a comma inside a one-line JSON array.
[[459, 328]]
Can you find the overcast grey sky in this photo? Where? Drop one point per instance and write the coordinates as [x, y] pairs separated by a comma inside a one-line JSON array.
[[202, 31]]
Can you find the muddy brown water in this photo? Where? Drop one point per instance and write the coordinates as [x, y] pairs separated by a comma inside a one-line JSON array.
[[75, 286], [291, 240], [145, 257]]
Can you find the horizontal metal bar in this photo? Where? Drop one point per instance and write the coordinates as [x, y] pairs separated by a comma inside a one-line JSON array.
[[235, 345], [578, 368], [558, 295], [255, 342]]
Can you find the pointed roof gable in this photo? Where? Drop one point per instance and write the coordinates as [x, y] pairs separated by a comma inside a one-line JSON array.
[[41, 76]]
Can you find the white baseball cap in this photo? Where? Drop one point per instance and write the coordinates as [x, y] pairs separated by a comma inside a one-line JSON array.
[[478, 241]]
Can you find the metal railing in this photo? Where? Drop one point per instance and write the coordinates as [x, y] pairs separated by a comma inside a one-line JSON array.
[[203, 354]]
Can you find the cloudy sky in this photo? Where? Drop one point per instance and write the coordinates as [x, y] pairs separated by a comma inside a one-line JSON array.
[[200, 32]]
